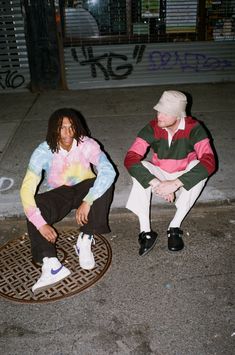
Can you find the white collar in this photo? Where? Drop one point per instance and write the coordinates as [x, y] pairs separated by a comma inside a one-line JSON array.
[[180, 126], [65, 152]]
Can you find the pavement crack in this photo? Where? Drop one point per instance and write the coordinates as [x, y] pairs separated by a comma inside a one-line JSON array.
[[15, 331]]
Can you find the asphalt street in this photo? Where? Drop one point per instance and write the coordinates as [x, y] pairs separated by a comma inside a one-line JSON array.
[[163, 304]]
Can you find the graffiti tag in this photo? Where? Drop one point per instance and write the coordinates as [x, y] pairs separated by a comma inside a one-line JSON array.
[[11, 79], [112, 65], [6, 183], [196, 62]]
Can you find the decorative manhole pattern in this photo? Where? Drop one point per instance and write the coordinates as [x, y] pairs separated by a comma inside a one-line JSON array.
[[19, 273]]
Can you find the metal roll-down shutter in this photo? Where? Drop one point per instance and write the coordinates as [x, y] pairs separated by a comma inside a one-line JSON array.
[[14, 68]]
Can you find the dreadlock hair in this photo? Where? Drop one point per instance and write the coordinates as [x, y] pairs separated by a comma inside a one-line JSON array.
[[55, 122]]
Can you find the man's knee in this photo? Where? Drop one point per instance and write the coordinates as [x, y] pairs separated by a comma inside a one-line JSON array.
[[41, 200]]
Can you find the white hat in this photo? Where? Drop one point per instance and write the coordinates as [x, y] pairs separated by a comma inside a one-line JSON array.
[[172, 103]]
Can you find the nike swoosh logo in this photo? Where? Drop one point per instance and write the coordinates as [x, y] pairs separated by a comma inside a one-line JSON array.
[[54, 272]]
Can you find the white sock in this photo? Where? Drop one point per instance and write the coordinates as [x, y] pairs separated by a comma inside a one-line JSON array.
[[144, 223], [175, 223]]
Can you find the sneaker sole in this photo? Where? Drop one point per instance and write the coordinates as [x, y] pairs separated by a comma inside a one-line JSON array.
[[87, 268], [174, 250], [147, 251], [39, 289]]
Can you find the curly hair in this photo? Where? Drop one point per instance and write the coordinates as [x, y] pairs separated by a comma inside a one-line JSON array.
[[55, 122]]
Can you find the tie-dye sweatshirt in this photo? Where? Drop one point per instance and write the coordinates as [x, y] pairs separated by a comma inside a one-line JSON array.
[[65, 168], [172, 154]]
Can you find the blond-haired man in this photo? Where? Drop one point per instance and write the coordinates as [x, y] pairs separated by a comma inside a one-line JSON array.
[[181, 163]]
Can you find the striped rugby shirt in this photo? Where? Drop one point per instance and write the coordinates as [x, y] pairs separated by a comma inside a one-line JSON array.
[[190, 142]]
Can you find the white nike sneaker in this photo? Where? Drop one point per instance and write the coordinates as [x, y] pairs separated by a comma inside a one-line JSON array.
[[83, 250], [52, 272]]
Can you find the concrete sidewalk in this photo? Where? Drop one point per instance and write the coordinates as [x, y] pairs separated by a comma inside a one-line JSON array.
[[114, 117]]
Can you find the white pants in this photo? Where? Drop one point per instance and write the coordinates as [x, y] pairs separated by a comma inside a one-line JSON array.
[[139, 198]]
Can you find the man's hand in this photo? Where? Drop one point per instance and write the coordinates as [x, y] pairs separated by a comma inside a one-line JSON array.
[[154, 184], [82, 213], [169, 198], [48, 233], [168, 187]]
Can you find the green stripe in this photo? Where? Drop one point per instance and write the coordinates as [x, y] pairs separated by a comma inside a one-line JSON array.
[[178, 150], [194, 176], [141, 174], [160, 146], [147, 134], [197, 134]]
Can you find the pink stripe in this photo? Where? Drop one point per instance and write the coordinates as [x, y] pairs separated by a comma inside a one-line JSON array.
[[173, 165], [203, 147], [206, 155], [139, 146]]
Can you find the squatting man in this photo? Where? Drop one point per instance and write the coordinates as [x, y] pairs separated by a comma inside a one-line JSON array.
[[67, 157], [181, 163]]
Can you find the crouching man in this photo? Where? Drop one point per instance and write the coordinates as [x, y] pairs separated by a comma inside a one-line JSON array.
[[182, 161], [67, 158]]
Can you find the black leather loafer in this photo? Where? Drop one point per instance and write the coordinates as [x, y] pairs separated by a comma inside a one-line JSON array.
[[175, 241], [147, 240]]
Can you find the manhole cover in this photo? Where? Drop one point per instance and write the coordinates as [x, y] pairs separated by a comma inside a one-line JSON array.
[[18, 272]]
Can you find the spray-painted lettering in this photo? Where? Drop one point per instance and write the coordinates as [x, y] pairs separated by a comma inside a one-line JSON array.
[[111, 65], [11, 79], [186, 61], [6, 183]]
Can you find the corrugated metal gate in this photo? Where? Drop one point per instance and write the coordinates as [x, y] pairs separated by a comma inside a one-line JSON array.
[[149, 64], [117, 43], [98, 65], [14, 68]]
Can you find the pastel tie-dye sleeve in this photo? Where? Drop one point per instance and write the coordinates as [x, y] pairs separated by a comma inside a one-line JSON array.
[[105, 174], [27, 193], [30, 184]]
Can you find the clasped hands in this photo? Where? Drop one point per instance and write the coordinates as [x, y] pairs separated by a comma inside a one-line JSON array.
[[165, 189]]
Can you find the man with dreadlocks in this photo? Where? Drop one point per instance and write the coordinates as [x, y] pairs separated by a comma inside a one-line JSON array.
[[66, 157]]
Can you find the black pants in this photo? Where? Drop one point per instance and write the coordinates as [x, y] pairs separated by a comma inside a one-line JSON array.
[[56, 204]]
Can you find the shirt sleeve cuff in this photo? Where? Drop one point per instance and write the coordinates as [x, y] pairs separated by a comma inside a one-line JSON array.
[[37, 220], [89, 199]]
